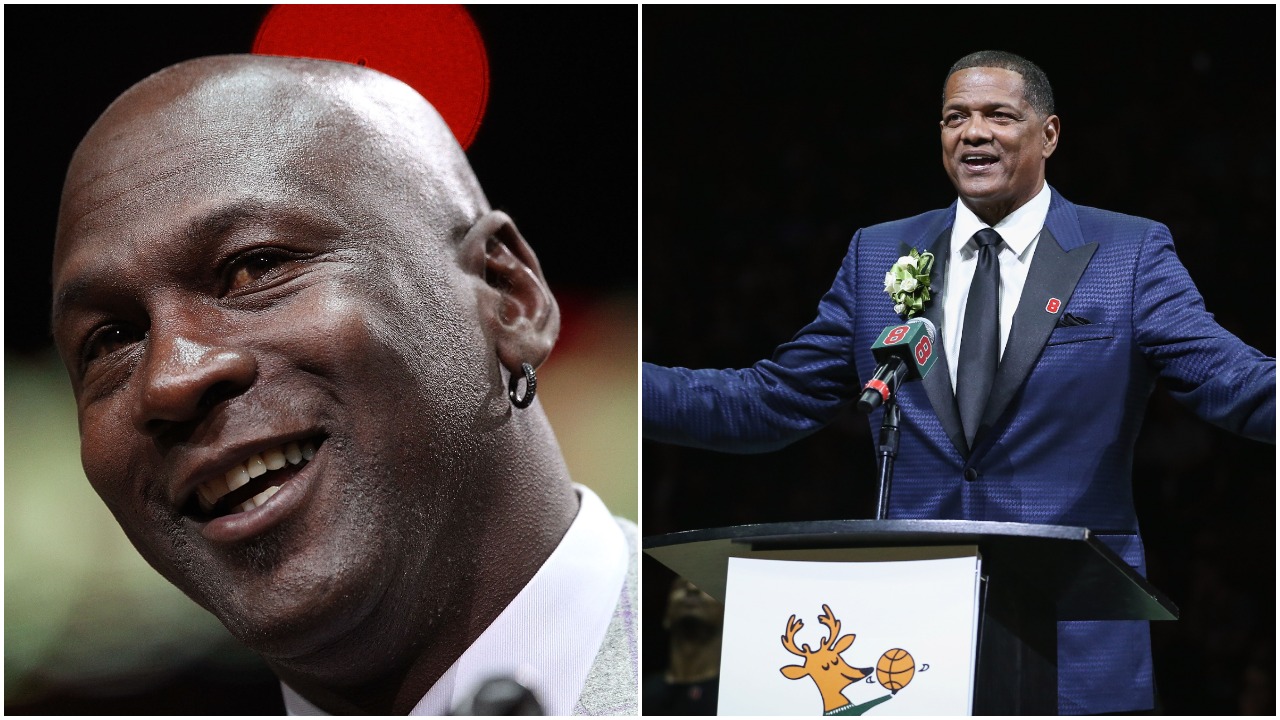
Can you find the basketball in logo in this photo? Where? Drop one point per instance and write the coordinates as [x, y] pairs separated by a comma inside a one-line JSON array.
[[895, 669]]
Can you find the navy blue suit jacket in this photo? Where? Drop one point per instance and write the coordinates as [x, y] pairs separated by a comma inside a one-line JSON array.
[[1057, 437]]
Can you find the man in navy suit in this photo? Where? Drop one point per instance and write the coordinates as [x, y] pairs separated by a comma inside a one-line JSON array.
[[1055, 321]]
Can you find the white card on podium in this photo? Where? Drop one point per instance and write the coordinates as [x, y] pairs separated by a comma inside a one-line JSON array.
[[850, 638]]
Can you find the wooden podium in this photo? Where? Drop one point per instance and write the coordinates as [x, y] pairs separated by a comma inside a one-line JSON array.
[[1033, 576]]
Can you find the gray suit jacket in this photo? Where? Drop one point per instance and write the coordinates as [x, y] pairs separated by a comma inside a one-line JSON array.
[[611, 687]]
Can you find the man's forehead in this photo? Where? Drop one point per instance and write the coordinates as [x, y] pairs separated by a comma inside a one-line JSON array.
[[227, 103], [241, 98], [985, 81], [150, 176], [219, 124]]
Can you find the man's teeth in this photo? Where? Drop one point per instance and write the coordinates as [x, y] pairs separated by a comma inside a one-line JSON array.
[[260, 498], [254, 466]]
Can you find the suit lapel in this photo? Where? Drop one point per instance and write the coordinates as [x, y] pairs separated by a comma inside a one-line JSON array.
[[1053, 274], [937, 384]]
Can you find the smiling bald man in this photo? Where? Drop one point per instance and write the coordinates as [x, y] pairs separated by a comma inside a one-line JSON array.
[[291, 318]]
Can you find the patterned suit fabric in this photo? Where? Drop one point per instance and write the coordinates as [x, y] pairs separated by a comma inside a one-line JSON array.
[[1057, 437]]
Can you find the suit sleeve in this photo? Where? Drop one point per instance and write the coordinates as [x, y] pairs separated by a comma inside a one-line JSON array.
[[774, 402], [1206, 368]]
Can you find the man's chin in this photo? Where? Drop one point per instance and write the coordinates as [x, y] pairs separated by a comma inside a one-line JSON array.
[[295, 609], [295, 631], [986, 201], [980, 188]]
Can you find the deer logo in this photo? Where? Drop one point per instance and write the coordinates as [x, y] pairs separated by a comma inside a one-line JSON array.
[[831, 673]]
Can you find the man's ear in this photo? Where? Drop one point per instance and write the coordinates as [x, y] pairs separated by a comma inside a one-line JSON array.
[[1052, 127], [517, 304]]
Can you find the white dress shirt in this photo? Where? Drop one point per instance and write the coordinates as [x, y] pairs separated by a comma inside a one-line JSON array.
[[548, 637], [1021, 232]]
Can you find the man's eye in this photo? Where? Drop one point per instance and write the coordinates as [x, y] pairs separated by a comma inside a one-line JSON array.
[[248, 268], [953, 119], [110, 339]]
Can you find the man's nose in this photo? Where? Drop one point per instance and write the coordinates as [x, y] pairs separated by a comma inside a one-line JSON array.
[[976, 130], [182, 378]]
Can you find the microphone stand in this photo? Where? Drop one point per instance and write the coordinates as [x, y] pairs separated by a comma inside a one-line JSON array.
[[888, 447]]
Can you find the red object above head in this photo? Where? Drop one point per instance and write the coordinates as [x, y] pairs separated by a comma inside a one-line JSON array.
[[436, 49]]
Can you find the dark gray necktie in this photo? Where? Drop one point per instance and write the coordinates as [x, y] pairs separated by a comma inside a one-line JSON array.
[[980, 344]]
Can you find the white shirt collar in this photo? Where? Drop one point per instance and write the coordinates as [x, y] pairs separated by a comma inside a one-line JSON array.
[[548, 637], [1018, 228]]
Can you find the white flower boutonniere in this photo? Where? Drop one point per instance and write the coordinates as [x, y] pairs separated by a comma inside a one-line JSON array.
[[907, 283]]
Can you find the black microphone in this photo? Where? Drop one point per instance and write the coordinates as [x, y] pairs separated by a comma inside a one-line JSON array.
[[905, 352], [501, 696]]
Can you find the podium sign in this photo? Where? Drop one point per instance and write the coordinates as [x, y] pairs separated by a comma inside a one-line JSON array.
[[1033, 577], [850, 638]]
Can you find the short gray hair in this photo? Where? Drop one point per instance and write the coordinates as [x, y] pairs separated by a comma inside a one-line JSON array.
[[1035, 85]]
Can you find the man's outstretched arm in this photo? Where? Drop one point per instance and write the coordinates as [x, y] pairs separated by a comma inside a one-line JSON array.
[[1206, 368]]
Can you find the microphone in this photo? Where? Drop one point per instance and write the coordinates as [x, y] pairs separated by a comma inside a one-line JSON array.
[[501, 696], [905, 352]]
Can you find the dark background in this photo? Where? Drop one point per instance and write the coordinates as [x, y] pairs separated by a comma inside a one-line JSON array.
[[557, 151], [770, 135]]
